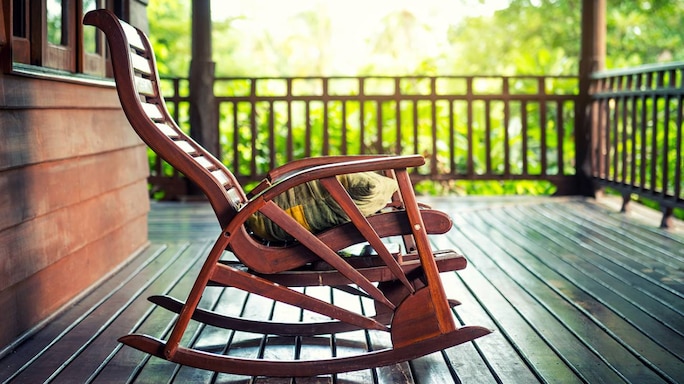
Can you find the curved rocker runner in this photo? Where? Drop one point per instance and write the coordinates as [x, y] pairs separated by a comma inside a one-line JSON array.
[[404, 283]]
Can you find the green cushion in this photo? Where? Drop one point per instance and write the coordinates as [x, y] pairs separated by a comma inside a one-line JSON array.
[[313, 207]]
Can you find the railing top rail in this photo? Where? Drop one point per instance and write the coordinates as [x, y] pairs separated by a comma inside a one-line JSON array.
[[454, 87], [640, 70], [515, 77]]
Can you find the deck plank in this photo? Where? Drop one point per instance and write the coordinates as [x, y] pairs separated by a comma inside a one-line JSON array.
[[616, 288], [149, 319], [641, 358], [606, 271], [542, 338], [574, 292], [495, 358], [560, 304], [57, 343], [350, 343]]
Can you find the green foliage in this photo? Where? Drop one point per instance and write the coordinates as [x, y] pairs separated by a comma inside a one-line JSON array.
[[489, 187], [170, 36], [528, 37], [644, 32], [536, 37], [543, 37]]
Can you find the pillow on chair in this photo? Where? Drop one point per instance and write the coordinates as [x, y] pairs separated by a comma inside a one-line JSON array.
[[313, 207]]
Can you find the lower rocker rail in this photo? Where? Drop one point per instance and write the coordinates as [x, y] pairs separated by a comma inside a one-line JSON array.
[[298, 368], [266, 327]]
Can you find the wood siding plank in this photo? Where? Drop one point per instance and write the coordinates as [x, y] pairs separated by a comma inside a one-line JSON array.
[[37, 286], [73, 174], [42, 135], [59, 233], [36, 191]]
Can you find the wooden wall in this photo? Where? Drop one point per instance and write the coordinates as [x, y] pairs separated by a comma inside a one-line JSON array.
[[74, 195]]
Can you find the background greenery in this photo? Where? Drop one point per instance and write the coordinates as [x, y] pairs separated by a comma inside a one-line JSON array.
[[528, 37]]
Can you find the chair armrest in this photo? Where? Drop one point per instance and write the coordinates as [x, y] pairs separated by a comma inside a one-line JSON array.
[[276, 174], [267, 191], [319, 171], [297, 165]]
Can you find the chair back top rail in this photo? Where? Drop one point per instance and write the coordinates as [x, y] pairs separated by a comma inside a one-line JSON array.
[[138, 88]]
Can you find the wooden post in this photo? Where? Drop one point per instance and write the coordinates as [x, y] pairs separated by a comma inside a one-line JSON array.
[[5, 38], [593, 57], [203, 110]]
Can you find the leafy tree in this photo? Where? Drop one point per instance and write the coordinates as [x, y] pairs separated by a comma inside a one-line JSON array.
[[170, 27], [540, 37], [643, 32], [397, 48], [529, 37], [543, 37]]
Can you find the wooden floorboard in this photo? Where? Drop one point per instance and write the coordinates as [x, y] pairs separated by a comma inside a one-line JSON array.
[[548, 296], [575, 291]]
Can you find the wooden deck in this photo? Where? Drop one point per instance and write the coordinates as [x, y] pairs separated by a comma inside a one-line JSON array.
[[575, 291]]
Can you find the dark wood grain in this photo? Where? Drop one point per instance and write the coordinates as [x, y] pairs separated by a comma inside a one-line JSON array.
[[68, 157], [422, 321], [563, 312]]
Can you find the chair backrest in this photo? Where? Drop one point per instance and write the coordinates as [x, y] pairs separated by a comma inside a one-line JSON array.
[[137, 83]]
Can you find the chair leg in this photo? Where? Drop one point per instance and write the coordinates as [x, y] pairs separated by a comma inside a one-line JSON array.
[[414, 320], [437, 295], [422, 321], [195, 295]]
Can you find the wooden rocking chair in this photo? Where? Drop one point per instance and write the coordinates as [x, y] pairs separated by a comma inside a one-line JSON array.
[[410, 301]]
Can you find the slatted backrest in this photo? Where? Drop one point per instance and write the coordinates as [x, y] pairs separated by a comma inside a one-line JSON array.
[[138, 87]]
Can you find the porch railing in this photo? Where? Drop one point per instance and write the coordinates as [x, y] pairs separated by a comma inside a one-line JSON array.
[[467, 127], [637, 133]]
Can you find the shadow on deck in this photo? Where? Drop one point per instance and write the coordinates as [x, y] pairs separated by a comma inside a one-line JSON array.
[[575, 291]]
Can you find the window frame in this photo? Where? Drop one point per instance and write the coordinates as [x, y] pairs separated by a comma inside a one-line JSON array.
[[21, 46], [31, 47], [94, 62]]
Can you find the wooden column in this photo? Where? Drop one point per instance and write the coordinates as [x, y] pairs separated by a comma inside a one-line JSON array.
[[592, 59], [203, 111]]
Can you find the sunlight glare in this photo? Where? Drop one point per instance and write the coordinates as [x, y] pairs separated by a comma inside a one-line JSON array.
[[353, 23]]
